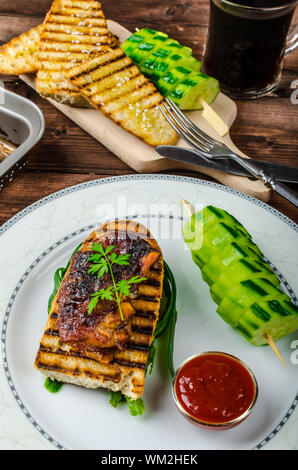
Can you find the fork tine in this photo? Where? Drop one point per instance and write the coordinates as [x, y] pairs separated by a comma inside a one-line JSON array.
[[196, 142], [176, 128], [184, 131], [181, 122], [194, 128]]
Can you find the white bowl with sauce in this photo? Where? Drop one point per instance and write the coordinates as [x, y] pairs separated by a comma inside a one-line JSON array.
[[214, 390]]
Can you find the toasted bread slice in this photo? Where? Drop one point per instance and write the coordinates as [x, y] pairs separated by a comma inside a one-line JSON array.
[[114, 40], [73, 31], [113, 369], [115, 86], [20, 54]]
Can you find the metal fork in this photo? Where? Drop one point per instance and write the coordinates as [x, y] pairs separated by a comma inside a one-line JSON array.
[[211, 148]]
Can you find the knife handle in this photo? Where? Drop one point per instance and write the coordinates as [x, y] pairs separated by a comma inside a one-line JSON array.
[[286, 192], [269, 180], [252, 168]]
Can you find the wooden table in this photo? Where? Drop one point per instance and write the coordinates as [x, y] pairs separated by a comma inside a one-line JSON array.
[[265, 128]]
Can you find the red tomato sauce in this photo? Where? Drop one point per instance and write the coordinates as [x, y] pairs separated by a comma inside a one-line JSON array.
[[214, 388]]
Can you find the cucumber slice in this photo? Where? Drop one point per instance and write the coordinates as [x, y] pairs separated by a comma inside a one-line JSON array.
[[161, 60], [158, 56], [219, 262], [245, 294], [241, 270], [131, 43], [144, 34], [146, 48], [197, 85], [171, 79], [222, 233], [161, 67], [277, 318], [208, 250], [218, 237], [206, 218], [197, 260], [205, 233]]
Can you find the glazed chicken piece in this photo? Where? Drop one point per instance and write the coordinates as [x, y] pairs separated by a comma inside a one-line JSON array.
[[103, 328]]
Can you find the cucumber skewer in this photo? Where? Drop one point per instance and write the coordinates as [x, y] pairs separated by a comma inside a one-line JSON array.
[[196, 92], [189, 210]]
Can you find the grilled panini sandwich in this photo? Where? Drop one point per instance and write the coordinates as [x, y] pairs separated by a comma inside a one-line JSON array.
[[100, 349], [115, 86], [73, 31], [20, 54]]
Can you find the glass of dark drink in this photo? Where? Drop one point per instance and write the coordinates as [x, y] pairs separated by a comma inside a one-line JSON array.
[[246, 44]]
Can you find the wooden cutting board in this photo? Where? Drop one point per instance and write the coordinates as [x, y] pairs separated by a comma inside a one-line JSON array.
[[142, 157]]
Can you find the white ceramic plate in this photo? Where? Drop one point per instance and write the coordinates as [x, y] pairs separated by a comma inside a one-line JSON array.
[[41, 238]]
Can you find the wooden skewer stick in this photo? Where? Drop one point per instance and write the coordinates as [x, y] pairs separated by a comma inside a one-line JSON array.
[[189, 209], [274, 348], [213, 118]]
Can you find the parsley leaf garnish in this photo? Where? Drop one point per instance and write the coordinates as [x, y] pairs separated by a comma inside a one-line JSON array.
[[102, 261]]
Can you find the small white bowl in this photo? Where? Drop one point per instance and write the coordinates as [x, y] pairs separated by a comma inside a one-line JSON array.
[[211, 425]]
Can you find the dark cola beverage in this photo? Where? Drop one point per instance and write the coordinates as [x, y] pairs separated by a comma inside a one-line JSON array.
[[246, 43]]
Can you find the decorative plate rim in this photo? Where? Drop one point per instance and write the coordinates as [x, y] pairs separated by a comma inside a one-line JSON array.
[[20, 215], [146, 176]]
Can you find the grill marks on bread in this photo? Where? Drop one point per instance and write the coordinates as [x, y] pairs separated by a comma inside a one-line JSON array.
[[73, 31], [78, 62], [20, 54], [115, 86]]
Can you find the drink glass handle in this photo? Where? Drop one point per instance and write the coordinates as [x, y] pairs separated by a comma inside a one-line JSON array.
[[292, 41]]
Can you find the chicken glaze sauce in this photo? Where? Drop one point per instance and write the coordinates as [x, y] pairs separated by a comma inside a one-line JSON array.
[[103, 328]]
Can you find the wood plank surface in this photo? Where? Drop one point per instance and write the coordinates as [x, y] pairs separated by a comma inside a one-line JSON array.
[[266, 128]]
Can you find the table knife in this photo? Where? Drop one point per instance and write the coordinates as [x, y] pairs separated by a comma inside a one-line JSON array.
[[285, 173]]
